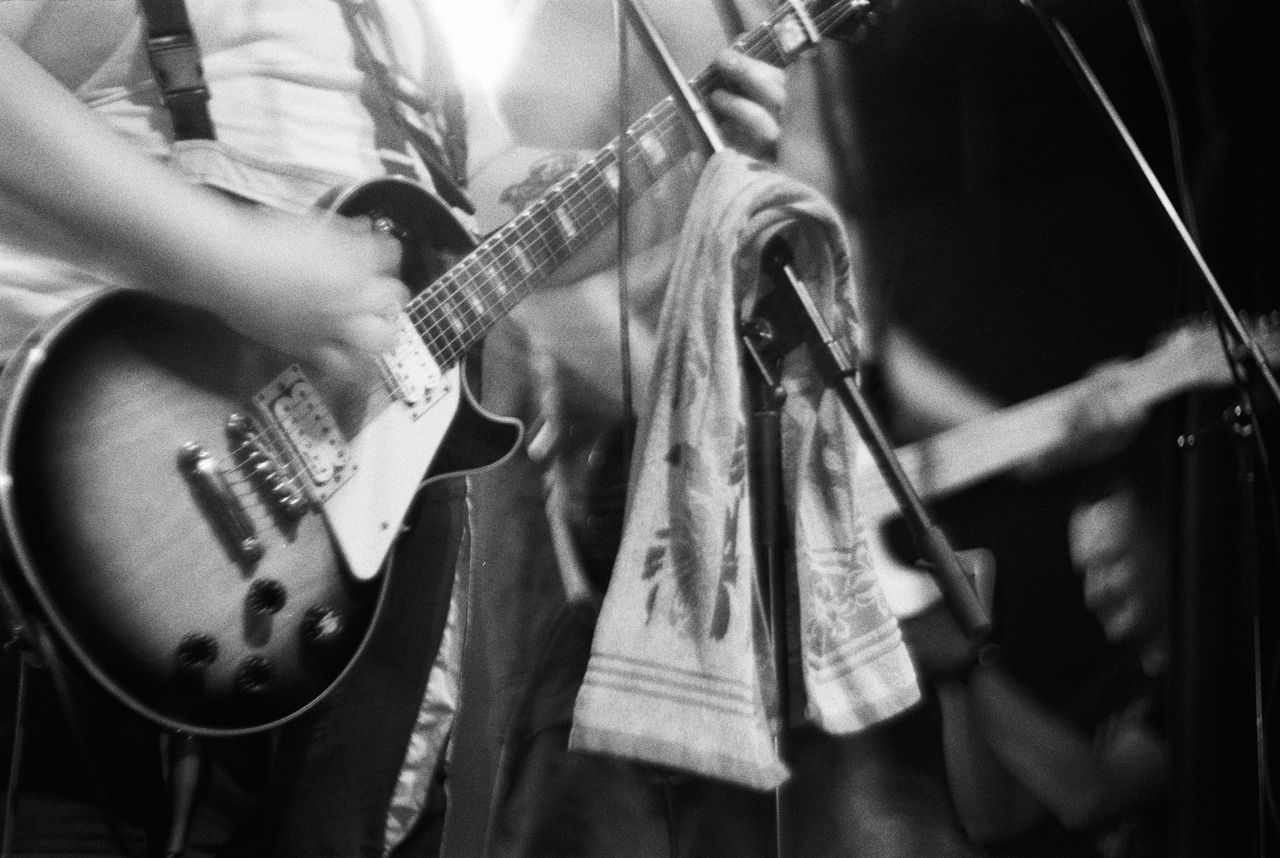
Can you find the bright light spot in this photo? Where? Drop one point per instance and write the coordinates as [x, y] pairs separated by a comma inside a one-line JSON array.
[[482, 36]]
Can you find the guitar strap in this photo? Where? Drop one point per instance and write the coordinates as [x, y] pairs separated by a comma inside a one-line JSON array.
[[174, 55], [434, 124]]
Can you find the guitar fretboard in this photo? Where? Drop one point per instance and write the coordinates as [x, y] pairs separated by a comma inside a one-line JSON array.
[[460, 307]]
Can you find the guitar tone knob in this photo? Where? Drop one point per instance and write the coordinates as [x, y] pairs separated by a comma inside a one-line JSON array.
[[266, 596], [383, 225], [197, 650], [322, 624], [254, 674]]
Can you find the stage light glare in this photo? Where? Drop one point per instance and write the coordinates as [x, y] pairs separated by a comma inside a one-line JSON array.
[[482, 37]]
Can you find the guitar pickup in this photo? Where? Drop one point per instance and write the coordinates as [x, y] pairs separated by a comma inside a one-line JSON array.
[[311, 441]]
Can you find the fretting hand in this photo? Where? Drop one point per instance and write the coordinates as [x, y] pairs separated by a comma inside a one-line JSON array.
[[749, 107]]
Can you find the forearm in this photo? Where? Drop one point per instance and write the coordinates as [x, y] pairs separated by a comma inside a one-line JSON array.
[[1051, 758], [62, 164]]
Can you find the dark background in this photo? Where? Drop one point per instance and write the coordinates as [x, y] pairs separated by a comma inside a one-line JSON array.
[[1005, 226]]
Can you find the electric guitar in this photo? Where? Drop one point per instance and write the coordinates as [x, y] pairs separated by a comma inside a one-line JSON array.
[[205, 526], [1189, 358]]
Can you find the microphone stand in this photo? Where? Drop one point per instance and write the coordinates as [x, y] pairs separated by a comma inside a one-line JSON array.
[[1248, 363], [788, 317], [783, 320]]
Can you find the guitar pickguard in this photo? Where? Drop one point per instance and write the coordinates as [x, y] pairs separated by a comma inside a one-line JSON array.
[[395, 449], [364, 478]]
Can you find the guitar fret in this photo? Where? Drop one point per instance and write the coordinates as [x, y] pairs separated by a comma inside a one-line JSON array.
[[510, 262], [468, 307], [537, 246], [801, 16], [568, 229], [600, 209], [473, 296], [491, 281], [438, 330], [611, 177], [523, 262], [654, 153], [787, 37], [553, 240]]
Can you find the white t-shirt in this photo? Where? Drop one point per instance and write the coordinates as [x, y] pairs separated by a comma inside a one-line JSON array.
[[291, 110]]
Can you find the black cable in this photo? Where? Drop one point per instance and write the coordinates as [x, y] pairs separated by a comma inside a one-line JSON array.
[[1161, 76], [1249, 431], [62, 685], [669, 806], [8, 815]]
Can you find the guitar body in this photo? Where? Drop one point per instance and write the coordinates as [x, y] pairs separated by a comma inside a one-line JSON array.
[[122, 550]]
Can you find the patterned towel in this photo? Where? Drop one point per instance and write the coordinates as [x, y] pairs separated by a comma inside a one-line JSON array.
[[681, 673]]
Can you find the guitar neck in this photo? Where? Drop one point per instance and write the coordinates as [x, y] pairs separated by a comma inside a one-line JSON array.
[[994, 443], [459, 308]]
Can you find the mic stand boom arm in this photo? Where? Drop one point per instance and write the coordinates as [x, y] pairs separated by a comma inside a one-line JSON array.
[[787, 317]]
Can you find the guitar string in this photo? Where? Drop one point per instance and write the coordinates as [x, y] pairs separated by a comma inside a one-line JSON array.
[[661, 120], [580, 191]]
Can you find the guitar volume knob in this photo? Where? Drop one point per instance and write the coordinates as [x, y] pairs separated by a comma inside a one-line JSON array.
[[197, 650], [322, 624], [266, 596], [254, 674]]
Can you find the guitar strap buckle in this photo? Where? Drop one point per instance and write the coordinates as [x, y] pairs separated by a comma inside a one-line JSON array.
[[174, 56], [175, 63]]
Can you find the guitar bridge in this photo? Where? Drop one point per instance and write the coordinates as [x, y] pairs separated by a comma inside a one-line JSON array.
[[260, 463], [215, 493]]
